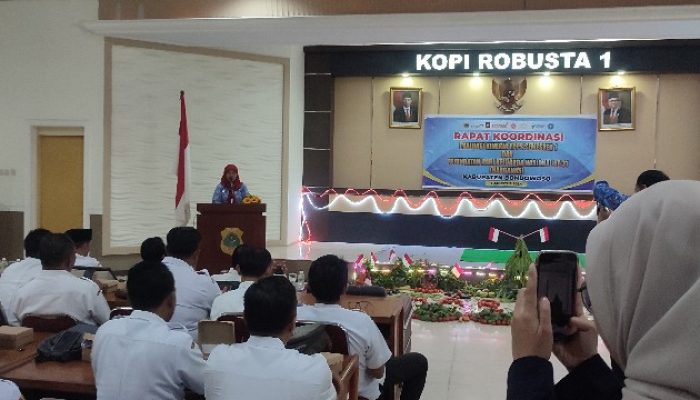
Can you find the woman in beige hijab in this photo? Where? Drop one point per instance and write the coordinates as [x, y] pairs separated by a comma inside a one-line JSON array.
[[643, 277]]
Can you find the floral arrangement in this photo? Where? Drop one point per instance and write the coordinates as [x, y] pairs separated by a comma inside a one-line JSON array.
[[251, 199]]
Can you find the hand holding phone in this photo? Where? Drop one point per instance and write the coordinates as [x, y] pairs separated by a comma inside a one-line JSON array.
[[557, 273]]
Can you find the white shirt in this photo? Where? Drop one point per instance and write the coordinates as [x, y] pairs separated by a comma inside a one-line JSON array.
[[86, 261], [230, 302], [9, 391], [139, 357], [364, 339], [195, 292], [262, 369], [14, 277], [59, 292]]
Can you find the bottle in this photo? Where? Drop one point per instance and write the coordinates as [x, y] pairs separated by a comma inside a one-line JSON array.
[[300, 277]]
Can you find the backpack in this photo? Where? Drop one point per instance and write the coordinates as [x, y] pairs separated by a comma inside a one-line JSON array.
[[63, 346]]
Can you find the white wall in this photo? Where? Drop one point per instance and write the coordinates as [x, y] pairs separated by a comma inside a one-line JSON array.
[[51, 74]]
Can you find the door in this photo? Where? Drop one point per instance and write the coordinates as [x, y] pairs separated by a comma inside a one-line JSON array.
[[60, 165]]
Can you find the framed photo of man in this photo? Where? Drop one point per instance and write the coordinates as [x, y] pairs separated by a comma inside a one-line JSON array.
[[405, 107], [616, 109]]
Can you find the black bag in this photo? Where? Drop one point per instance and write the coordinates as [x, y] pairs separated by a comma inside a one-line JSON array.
[[63, 346]]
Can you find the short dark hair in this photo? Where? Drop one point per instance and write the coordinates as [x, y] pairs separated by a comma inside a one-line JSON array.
[[650, 177], [149, 284], [153, 249], [54, 249], [270, 304], [328, 278], [407, 95], [253, 261], [236, 253], [183, 241], [32, 241]]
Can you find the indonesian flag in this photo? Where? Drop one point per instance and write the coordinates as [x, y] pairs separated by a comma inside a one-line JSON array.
[[358, 260], [182, 195], [373, 258], [544, 234], [392, 255], [493, 234], [457, 271], [407, 259]]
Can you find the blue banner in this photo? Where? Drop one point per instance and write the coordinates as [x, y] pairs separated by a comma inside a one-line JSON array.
[[531, 153]]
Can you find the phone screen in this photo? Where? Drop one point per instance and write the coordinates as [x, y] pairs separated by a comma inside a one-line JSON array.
[[556, 279]]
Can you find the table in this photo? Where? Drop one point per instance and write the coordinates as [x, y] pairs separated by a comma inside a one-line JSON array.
[[114, 301], [75, 379], [10, 359], [392, 314]]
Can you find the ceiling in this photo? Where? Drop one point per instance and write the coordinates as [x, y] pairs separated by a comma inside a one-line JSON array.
[[275, 36]]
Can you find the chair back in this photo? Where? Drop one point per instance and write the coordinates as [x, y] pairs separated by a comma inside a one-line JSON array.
[[48, 323], [239, 325], [338, 338], [120, 312]]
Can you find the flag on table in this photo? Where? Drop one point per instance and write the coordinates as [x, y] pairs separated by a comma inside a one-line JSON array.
[[544, 234], [373, 259], [182, 195], [392, 255], [407, 260], [493, 234], [457, 271]]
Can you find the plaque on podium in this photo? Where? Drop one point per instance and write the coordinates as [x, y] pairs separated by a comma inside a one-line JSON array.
[[225, 226]]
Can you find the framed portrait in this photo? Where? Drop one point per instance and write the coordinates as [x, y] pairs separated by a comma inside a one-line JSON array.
[[405, 107], [616, 109]]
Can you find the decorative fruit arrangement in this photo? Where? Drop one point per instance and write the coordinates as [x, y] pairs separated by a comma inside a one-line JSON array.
[[490, 313], [435, 312], [251, 199]]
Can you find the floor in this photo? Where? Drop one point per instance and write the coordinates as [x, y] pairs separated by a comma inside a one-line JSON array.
[[466, 360]]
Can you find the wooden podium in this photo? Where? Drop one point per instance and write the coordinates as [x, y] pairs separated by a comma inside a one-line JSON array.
[[222, 227]]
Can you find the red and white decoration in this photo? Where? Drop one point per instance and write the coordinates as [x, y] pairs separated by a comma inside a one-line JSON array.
[[182, 192]]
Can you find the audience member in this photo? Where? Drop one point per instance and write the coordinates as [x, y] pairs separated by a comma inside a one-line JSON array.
[[82, 239], [648, 178], [195, 290], [328, 280], [139, 357], [153, 249], [55, 291], [644, 286], [253, 264], [261, 368], [9, 391], [21, 272]]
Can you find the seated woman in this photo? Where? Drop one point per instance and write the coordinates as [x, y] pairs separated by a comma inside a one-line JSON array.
[[230, 190], [644, 285]]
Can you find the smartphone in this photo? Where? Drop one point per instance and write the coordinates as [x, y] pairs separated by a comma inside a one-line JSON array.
[[557, 273]]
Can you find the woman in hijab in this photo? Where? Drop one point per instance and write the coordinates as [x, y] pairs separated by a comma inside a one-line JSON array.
[[643, 281], [230, 190]]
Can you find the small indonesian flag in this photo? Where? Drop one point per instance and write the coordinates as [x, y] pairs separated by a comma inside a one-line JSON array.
[[373, 258], [544, 234], [493, 234], [358, 260], [407, 259], [392, 255], [457, 271]]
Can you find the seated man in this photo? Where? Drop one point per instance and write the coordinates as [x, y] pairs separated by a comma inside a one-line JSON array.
[[56, 291], [253, 264], [328, 279], [139, 357], [82, 239], [261, 368], [195, 290], [19, 273], [648, 178]]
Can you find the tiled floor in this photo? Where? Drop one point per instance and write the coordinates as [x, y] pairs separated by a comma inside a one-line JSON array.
[[468, 360]]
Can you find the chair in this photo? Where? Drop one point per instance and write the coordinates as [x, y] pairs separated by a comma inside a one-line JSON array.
[[120, 312], [48, 323], [239, 326], [338, 338], [90, 271]]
